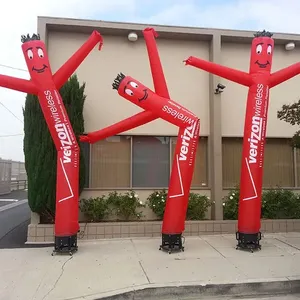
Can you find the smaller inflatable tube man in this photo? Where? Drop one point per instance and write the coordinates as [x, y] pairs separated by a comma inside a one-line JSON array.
[[186, 146]]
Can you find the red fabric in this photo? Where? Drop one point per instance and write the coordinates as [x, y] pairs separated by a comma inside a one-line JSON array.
[[253, 157], [225, 72], [181, 179], [254, 136], [44, 85], [167, 109], [259, 81], [17, 84]]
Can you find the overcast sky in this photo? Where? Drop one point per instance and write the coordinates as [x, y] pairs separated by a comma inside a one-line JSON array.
[[20, 17]]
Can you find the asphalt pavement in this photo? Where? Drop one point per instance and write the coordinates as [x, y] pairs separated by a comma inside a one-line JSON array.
[[264, 297], [14, 219], [279, 297]]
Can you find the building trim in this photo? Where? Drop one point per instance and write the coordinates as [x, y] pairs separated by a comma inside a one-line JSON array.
[[215, 137], [168, 32]]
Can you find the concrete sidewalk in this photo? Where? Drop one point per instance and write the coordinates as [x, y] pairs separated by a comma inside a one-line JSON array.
[[109, 267]]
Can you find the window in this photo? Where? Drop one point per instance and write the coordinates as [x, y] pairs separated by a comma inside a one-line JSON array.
[[150, 161], [200, 177], [139, 162], [85, 155], [231, 161], [110, 166], [278, 162]]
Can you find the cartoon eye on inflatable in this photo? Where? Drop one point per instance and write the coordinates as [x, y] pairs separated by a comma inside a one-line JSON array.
[[133, 84], [40, 53], [129, 92], [30, 54], [269, 49], [259, 49]]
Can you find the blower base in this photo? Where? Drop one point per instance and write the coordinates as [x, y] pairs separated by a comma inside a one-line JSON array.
[[171, 242], [248, 241], [65, 244]]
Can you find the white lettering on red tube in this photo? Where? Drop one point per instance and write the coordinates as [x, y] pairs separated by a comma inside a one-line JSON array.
[[176, 114], [256, 126], [187, 153], [185, 141], [257, 133], [61, 129]]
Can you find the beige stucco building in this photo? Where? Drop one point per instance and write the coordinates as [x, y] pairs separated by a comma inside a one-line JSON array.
[[141, 158]]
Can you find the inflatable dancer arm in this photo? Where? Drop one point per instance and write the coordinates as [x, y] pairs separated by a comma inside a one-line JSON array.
[[124, 125], [159, 80], [69, 67], [219, 70], [284, 75], [17, 84], [164, 108], [145, 116]]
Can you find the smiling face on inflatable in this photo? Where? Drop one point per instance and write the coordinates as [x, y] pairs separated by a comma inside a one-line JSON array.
[[134, 89], [36, 57], [131, 89], [261, 52]]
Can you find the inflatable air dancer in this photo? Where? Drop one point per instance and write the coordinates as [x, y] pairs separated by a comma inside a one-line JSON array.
[[259, 80], [46, 86], [186, 147], [183, 165]]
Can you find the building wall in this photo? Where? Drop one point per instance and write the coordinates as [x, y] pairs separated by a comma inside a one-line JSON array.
[[141, 159], [104, 106]]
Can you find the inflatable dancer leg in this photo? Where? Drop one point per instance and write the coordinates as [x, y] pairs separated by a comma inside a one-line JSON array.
[[43, 85], [259, 80], [144, 117], [179, 186], [67, 179]]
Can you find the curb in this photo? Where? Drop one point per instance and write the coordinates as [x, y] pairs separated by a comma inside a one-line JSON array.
[[210, 290]]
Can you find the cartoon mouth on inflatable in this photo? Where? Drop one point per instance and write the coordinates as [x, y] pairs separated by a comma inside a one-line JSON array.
[[262, 65], [145, 95], [40, 70]]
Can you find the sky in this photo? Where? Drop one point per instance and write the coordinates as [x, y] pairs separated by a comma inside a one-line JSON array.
[[19, 17]]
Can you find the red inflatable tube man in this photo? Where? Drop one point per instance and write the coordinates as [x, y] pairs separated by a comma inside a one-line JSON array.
[[46, 86], [185, 151], [183, 166], [259, 80]]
